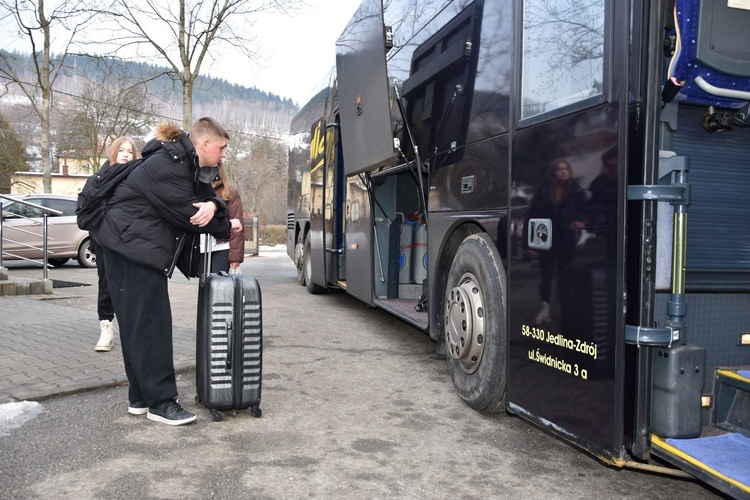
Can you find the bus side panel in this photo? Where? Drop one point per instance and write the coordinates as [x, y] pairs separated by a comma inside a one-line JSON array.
[[333, 210], [317, 200], [562, 336], [299, 197], [359, 223]]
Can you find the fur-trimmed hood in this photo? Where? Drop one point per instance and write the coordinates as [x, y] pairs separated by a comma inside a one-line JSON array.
[[171, 139], [168, 132]]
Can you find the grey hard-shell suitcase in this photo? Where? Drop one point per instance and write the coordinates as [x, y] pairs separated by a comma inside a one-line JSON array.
[[229, 344]]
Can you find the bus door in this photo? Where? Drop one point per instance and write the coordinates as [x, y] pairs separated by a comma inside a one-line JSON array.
[[333, 226], [366, 135], [314, 245], [565, 293]]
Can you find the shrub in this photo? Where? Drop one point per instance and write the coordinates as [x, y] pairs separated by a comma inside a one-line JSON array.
[[273, 234]]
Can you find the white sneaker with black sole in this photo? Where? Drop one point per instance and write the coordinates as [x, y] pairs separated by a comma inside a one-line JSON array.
[[171, 413]]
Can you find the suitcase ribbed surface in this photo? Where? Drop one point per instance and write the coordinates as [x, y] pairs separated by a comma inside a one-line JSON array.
[[221, 321], [229, 342], [251, 346]]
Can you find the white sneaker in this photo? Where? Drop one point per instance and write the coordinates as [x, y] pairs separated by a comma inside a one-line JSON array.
[[107, 338], [543, 316]]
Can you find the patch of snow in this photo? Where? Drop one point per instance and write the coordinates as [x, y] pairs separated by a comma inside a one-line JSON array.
[[14, 415], [273, 248]]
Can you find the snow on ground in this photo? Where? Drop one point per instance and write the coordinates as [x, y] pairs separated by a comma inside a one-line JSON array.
[[274, 248], [14, 415]]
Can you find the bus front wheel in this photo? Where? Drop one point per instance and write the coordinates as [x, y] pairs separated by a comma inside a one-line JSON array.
[[474, 324]]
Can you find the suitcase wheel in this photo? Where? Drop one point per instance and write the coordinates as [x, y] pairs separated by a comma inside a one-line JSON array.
[[216, 415], [255, 410]]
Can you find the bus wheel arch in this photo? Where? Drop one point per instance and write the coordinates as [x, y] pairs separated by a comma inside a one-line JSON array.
[[473, 323], [447, 253]]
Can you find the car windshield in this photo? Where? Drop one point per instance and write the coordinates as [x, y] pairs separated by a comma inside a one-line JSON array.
[[6, 203]]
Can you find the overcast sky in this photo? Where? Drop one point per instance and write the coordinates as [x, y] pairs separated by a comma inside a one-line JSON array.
[[299, 50]]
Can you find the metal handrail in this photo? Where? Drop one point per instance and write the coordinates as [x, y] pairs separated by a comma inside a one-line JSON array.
[[46, 211]]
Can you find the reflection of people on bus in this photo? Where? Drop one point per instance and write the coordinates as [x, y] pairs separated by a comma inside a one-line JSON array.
[[561, 200], [602, 207]]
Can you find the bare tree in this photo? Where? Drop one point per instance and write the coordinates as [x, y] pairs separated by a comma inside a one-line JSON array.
[[113, 106], [257, 169], [182, 33], [41, 26]]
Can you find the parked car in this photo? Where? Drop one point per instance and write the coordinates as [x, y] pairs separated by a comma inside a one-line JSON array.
[[22, 230]]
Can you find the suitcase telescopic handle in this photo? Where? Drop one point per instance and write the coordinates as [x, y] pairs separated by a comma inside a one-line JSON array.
[[207, 259]]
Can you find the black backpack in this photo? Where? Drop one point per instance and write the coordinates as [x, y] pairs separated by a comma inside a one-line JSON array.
[[93, 198]]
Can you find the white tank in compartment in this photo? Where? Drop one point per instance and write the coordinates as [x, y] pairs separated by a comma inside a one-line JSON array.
[[419, 253]]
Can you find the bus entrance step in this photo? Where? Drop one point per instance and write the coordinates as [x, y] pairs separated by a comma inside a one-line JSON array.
[[733, 400]]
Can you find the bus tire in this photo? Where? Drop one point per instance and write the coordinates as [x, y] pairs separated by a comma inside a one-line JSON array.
[[307, 267], [299, 259], [474, 324]]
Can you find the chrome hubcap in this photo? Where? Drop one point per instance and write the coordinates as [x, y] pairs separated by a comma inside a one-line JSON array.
[[464, 323]]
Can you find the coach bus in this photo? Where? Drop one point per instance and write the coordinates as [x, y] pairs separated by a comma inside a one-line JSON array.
[[557, 192]]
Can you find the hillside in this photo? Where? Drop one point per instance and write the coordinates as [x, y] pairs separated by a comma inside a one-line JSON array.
[[253, 110], [92, 96]]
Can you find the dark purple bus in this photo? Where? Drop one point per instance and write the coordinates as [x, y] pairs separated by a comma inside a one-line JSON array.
[[515, 178]]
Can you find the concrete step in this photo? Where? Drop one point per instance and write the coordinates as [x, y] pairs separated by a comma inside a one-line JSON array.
[[23, 286]]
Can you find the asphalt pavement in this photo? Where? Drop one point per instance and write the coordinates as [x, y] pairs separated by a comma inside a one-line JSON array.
[[355, 405]]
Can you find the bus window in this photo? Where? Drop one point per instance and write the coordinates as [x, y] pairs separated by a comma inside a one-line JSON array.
[[563, 55]]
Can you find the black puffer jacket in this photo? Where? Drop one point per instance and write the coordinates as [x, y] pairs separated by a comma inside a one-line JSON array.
[[148, 220]]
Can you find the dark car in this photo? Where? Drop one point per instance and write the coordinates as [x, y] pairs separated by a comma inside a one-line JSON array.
[[22, 230]]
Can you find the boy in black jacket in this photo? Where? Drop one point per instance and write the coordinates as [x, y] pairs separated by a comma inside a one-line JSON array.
[[152, 226]]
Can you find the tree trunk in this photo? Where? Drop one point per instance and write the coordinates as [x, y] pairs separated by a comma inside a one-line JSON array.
[[187, 104], [46, 88]]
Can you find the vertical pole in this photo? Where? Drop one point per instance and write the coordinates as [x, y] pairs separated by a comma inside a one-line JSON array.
[[45, 217], [677, 306], [1, 241]]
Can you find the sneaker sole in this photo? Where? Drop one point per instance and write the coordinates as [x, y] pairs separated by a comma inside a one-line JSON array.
[[157, 418], [102, 349], [137, 411]]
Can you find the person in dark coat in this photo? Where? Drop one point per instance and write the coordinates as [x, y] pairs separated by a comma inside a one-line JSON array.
[[562, 200], [121, 151], [152, 225]]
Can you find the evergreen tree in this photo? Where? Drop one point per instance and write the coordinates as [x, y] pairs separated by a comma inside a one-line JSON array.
[[12, 155]]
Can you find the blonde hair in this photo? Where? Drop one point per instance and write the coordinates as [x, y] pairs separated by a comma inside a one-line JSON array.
[[114, 148]]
